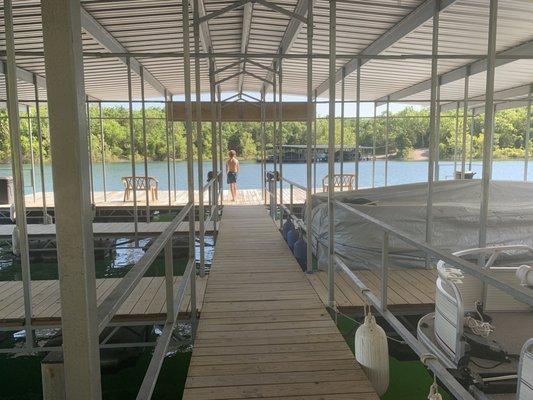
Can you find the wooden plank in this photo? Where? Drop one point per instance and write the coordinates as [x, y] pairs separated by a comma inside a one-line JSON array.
[[146, 302], [263, 330]]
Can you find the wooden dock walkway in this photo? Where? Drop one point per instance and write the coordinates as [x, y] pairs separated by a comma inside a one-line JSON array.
[[409, 291], [146, 304], [113, 229], [263, 331], [115, 198]]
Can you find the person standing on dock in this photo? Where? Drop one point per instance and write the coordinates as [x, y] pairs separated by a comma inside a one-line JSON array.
[[232, 169]]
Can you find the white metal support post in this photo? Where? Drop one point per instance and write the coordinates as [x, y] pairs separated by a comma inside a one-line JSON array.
[[374, 133], [145, 146], [489, 123], [343, 92], [133, 151], [90, 148], [102, 150], [309, 156], [471, 155], [41, 149], [189, 133], [357, 122], [465, 122], [437, 134], [68, 130], [214, 163], [433, 121], [331, 152], [199, 138], [280, 138], [32, 158], [263, 149], [527, 134], [220, 147], [168, 104], [387, 127], [456, 139], [16, 164]]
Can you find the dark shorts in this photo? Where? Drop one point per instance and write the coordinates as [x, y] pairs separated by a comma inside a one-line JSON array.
[[232, 177]]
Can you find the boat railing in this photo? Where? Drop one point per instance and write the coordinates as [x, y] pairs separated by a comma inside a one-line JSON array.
[[379, 301]]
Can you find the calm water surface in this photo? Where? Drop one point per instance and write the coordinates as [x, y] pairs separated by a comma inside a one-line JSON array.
[[399, 172]]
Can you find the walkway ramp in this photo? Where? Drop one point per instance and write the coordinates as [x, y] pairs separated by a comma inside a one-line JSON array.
[[263, 331]]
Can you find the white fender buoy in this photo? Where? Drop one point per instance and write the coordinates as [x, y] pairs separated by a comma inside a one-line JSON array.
[[525, 274], [12, 213], [372, 352], [15, 241]]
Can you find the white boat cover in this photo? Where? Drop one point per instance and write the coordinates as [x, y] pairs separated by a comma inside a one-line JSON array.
[[456, 211]]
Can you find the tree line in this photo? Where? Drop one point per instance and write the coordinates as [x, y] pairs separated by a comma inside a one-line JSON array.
[[408, 130]]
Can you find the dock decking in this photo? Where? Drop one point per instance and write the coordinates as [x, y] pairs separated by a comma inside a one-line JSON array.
[[114, 199], [147, 302], [263, 331], [105, 229], [408, 290]]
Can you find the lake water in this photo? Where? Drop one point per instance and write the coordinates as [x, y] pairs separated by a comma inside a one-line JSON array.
[[399, 172]]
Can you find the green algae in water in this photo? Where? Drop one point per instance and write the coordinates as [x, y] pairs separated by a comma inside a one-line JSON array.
[[408, 380], [21, 378]]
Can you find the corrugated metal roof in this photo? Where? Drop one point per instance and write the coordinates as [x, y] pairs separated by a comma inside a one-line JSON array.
[[156, 26]]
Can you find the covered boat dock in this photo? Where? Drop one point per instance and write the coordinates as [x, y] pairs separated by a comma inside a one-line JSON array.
[[261, 326]]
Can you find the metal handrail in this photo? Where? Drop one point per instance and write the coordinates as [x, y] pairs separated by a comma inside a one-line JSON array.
[[380, 303], [433, 363], [120, 293], [211, 181], [292, 183], [152, 373], [519, 293]]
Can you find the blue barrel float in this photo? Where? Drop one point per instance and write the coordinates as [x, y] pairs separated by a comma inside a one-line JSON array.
[[292, 237], [300, 252]]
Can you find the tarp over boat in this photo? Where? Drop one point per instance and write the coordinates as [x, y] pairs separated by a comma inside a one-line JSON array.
[[456, 211]]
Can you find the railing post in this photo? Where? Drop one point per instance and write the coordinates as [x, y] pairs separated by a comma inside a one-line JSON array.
[[384, 270], [291, 196], [169, 280], [331, 152]]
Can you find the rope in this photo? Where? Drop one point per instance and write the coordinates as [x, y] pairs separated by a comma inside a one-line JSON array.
[[479, 328], [360, 323]]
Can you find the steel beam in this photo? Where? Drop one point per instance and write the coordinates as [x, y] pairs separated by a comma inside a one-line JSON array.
[[414, 20], [291, 33], [331, 152], [517, 94], [199, 136], [489, 123], [433, 125], [465, 125], [17, 167], [309, 155], [475, 67], [102, 36], [24, 75], [527, 133], [245, 38], [68, 130]]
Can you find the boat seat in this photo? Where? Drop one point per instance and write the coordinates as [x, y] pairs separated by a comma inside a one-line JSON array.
[[449, 319], [525, 372]]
